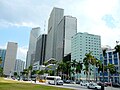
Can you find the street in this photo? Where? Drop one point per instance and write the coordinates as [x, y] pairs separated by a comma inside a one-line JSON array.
[[78, 87]]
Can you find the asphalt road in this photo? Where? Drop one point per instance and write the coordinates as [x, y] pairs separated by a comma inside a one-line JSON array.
[[79, 87]]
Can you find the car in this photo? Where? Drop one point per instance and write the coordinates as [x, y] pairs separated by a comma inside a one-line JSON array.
[[94, 86], [77, 82], [84, 83], [108, 83], [102, 84], [69, 82], [115, 84], [59, 82]]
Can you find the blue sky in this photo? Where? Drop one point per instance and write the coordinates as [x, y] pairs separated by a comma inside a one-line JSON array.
[[18, 17]]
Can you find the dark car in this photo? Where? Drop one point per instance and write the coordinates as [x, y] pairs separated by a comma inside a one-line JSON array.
[[25, 79], [102, 84], [108, 83], [77, 82], [115, 84], [67, 81]]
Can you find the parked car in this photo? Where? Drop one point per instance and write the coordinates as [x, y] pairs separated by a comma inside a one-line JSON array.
[[115, 84], [84, 83], [94, 86], [102, 84], [59, 82], [77, 82], [69, 81], [108, 83]]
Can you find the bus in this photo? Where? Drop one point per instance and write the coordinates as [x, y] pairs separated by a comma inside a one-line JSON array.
[[54, 80]]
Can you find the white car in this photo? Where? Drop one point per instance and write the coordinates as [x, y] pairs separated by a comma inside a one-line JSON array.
[[94, 86], [59, 82], [84, 83]]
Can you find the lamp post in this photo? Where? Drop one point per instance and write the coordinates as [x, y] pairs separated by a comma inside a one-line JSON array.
[[75, 73], [104, 53]]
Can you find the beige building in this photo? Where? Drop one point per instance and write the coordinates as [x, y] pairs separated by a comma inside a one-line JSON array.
[[10, 58]]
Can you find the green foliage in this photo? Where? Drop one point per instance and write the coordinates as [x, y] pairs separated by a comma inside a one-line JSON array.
[[61, 67], [0, 60], [88, 61], [1, 71], [117, 49], [40, 72], [15, 74], [79, 67], [111, 68], [30, 67]]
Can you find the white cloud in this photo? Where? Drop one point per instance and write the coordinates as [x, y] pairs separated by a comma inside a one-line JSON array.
[[89, 14], [21, 53]]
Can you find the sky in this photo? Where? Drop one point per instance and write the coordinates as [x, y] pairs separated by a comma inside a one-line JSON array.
[[18, 17]]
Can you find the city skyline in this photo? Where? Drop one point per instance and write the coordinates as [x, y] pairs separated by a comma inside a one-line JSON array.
[[17, 18]]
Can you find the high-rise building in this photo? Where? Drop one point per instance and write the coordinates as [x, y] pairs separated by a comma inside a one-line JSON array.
[[111, 57], [40, 51], [54, 19], [66, 28], [10, 58], [83, 43], [34, 34], [19, 66], [2, 55]]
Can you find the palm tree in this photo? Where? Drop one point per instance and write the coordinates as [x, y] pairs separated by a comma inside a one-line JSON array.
[[61, 68], [0, 60], [68, 69], [99, 66], [29, 71], [88, 61], [1, 71], [52, 63], [15, 74], [74, 64], [112, 69], [117, 50], [79, 67], [25, 73]]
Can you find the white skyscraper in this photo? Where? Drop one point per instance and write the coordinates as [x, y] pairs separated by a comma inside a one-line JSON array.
[[54, 19], [34, 34], [65, 30], [10, 58]]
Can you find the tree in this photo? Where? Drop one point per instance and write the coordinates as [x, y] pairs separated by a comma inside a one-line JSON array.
[[61, 68], [40, 72], [15, 74], [112, 69], [117, 50], [29, 71], [74, 64], [88, 61], [25, 72], [0, 60], [79, 67], [99, 66], [51, 64], [1, 71], [68, 69]]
